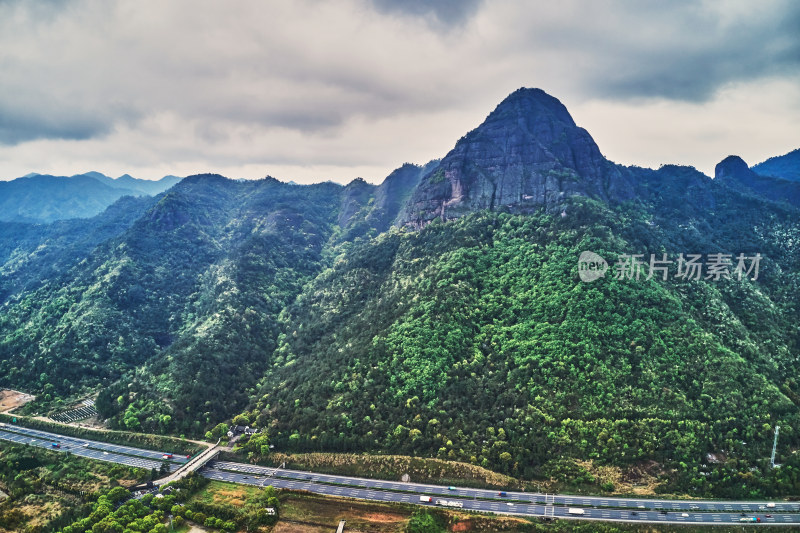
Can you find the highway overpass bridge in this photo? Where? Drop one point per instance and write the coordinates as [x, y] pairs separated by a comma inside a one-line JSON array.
[[195, 463]]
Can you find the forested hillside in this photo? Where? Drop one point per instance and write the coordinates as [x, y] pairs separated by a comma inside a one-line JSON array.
[[475, 340], [441, 313], [41, 198], [191, 287]]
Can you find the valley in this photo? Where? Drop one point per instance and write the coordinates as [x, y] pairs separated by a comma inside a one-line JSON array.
[[440, 315]]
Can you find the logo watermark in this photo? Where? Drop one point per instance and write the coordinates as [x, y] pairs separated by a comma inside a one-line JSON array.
[[714, 266], [591, 266]]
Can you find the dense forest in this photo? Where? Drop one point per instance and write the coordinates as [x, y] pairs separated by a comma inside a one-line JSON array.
[[474, 340], [352, 319]]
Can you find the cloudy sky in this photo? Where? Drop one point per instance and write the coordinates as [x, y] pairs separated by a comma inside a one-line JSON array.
[[312, 90]]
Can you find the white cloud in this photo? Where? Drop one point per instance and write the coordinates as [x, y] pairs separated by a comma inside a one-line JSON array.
[[312, 90]]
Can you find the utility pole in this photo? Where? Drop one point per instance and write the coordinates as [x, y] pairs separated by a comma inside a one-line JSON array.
[[774, 446]]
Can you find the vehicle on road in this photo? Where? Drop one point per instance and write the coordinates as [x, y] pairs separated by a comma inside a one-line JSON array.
[[634, 513], [750, 519], [451, 488], [502, 494], [55, 445], [576, 511], [767, 516], [771, 505], [685, 515], [425, 499], [449, 503], [167, 456]]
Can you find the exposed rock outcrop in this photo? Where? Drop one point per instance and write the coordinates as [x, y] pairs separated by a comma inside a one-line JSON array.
[[528, 153], [734, 172]]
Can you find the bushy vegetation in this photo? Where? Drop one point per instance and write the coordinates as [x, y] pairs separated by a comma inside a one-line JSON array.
[[192, 290], [472, 340], [113, 510], [48, 490]]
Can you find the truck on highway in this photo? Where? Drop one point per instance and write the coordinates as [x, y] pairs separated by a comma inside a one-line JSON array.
[[750, 519], [576, 511], [55, 445], [167, 456], [425, 499], [449, 503]]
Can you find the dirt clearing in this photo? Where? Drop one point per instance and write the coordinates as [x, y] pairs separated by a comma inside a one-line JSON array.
[[11, 399]]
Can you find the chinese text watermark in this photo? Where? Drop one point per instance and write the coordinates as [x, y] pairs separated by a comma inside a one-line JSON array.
[[713, 266]]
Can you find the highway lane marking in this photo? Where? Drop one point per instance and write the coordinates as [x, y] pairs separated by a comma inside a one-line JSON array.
[[139, 462]]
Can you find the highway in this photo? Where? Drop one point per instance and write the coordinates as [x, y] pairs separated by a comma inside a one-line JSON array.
[[517, 506], [515, 503], [104, 446], [557, 499], [77, 448]]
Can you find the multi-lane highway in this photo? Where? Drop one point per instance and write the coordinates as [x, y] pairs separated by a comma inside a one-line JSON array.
[[86, 448], [521, 503], [516, 503]]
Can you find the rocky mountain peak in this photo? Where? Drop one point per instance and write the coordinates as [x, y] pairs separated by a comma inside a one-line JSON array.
[[527, 153], [732, 166], [734, 172]]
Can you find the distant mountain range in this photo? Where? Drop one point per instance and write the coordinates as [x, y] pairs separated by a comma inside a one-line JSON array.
[[785, 166], [440, 313], [46, 198]]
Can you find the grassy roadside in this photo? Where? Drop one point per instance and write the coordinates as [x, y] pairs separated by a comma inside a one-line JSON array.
[[391, 467], [141, 440], [564, 476]]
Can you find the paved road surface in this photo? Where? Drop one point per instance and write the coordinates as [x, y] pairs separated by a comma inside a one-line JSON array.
[[522, 497], [517, 507], [517, 503], [75, 441], [83, 451]]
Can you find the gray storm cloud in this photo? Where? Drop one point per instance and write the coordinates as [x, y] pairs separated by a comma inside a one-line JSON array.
[[315, 89]]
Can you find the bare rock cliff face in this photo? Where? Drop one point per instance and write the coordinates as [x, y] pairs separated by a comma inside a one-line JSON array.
[[528, 153]]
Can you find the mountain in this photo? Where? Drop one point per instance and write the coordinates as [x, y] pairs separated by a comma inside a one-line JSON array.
[[785, 166], [45, 198], [32, 254], [735, 172], [528, 153], [126, 181], [441, 313], [371, 209]]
